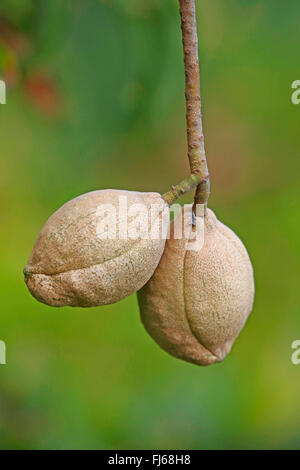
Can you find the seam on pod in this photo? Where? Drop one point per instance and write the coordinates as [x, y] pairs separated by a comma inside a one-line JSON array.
[[185, 309], [28, 272]]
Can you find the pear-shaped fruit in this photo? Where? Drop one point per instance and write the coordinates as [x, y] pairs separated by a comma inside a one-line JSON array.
[[200, 296], [93, 252]]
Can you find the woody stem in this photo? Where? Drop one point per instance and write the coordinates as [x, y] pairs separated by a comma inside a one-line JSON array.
[[195, 137]]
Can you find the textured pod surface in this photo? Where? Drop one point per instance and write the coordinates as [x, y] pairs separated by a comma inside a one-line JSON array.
[[197, 301], [73, 264]]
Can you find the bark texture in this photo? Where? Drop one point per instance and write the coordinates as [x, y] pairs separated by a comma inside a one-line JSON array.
[[195, 137]]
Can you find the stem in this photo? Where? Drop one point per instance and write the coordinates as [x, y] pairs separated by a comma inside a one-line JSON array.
[[181, 188], [195, 137]]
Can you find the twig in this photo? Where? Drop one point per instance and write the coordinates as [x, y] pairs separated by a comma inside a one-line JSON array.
[[196, 152], [181, 188], [195, 137]]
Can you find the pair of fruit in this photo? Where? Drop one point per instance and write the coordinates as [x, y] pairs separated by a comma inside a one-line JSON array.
[[193, 303]]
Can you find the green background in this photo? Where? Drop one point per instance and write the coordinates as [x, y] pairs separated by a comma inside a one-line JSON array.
[[93, 378]]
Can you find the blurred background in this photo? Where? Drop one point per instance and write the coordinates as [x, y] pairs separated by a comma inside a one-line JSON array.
[[95, 99]]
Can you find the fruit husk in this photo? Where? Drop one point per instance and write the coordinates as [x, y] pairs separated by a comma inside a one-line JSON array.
[[198, 300], [70, 264]]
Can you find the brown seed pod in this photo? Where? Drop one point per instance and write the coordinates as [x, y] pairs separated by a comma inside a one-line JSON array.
[[198, 300], [78, 260]]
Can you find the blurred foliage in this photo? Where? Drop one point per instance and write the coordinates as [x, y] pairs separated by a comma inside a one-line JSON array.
[[96, 100], [17, 11]]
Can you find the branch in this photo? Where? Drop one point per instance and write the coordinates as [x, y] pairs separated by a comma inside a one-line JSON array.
[[181, 188], [195, 137]]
